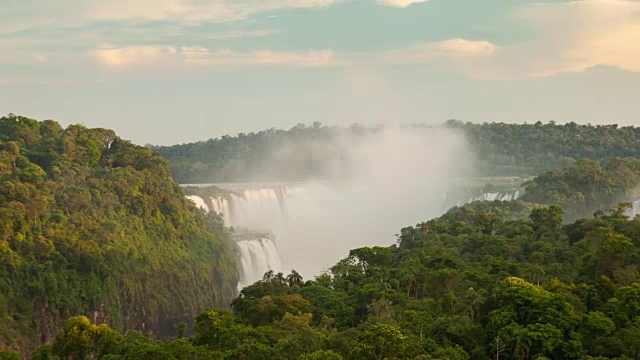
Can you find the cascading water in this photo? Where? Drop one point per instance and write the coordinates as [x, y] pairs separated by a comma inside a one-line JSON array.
[[635, 209], [254, 209], [279, 208], [459, 198], [199, 202], [256, 258]]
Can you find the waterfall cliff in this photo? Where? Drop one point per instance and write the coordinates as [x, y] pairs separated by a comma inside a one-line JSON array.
[[256, 258], [315, 224], [254, 209]]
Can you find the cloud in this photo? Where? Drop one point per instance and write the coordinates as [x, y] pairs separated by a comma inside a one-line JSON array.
[[457, 48], [235, 34], [225, 57], [563, 37], [154, 56], [117, 57], [184, 10], [400, 3], [583, 34], [17, 52], [566, 37], [569, 37]]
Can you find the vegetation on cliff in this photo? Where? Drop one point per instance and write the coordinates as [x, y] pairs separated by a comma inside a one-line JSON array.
[[93, 225], [481, 282], [587, 187]]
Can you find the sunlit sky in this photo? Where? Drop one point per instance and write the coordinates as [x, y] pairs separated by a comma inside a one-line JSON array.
[[172, 71]]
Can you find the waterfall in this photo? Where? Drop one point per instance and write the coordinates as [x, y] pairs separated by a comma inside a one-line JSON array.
[[257, 208], [220, 205], [634, 210], [257, 257], [199, 202], [315, 224], [460, 198], [254, 209]]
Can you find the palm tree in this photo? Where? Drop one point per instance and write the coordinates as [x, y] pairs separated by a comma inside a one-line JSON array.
[[268, 276], [294, 279]]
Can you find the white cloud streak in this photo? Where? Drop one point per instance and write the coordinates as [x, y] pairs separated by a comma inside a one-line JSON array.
[[194, 11], [457, 48], [154, 56], [400, 3]]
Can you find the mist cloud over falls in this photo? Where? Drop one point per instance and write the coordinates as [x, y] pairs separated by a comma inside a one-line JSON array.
[[379, 183]]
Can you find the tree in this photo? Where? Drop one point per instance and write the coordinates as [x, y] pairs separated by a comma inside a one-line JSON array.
[[321, 355], [80, 339], [294, 279], [380, 341], [214, 327], [9, 355], [13, 149]]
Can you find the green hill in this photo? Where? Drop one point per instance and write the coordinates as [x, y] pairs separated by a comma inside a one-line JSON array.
[[93, 225]]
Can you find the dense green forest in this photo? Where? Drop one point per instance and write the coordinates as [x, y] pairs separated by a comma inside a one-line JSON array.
[[94, 225], [103, 257], [312, 151], [484, 281], [587, 187]]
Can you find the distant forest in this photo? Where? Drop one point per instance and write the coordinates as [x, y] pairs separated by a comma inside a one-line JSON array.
[[312, 151]]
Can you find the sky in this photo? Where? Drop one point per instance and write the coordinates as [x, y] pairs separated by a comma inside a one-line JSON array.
[[175, 71]]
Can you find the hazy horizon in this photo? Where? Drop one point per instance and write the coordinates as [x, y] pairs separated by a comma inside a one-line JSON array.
[[173, 72]]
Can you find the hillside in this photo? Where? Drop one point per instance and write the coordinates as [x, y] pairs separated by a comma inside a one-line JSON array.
[[303, 151], [93, 225], [484, 281], [587, 187]]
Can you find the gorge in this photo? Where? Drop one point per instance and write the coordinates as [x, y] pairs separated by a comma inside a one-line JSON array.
[[266, 219]]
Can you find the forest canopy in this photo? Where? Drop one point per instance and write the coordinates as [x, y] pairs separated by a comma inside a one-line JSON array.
[[94, 225], [304, 152], [102, 256], [484, 282]]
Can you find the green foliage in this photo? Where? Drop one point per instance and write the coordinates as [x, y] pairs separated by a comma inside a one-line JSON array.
[[80, 339], [531, 288], [9, 355], [588, 186], [321, 355], [380, 341], [93, 225], [502, 150]]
